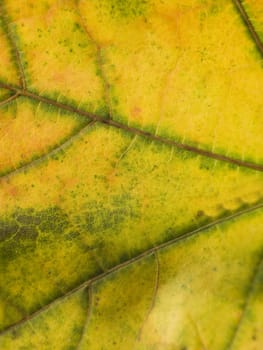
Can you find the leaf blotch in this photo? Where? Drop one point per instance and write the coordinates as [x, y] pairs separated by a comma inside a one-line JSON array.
[[20, 230], [126, 9]]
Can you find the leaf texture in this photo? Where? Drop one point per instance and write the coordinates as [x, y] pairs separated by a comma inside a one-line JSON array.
[[131, 175]]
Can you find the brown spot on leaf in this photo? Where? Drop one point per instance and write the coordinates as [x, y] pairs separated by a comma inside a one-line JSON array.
[[136, 113]]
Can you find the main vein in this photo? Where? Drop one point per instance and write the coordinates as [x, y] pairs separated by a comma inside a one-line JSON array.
[[133, 130], [249, 25], [140, 256]]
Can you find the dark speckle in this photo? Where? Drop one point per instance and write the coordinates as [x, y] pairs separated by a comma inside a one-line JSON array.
[[27, 232], [100, 220], [200, 213], [21, 229], [7, 229], [128, 9], [53, 220], [27, 217]]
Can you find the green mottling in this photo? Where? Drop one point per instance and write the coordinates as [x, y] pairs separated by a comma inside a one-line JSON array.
[[215, 9], [101, 219], [8, 228], [103, 111], [259, 278], [98, 219], [76, 27], [20, 230], [126, 9], [206, 163], [53, 220]]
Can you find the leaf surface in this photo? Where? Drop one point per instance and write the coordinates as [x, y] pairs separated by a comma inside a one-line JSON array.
[[131, 175]]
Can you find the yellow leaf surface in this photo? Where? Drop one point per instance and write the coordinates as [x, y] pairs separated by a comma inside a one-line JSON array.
[[131, 175]]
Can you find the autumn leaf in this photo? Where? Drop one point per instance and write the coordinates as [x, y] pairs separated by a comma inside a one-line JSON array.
[[131, 174]]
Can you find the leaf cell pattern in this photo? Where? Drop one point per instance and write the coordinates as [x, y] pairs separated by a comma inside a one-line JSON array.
[[131, 174]]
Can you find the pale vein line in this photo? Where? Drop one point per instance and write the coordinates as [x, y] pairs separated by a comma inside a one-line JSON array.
[[246, 305], [14, 47], [84, 330], [133, 260], [126, 151], [136, 131], [197, 332], [45, 156], [155, 291], [249, 25]]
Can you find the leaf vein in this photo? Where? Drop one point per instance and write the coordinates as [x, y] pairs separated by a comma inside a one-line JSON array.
[[51, 153], [246, 303], [99, 60], [14, 47], [134, 259], [198, 333], [249, 25], [136, 131], [84, 330], [155, 291], [9, 99]]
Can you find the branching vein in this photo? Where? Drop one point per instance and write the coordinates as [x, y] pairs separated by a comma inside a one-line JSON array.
[[51, 153], [140, 256], [85, 327], [9, 99], [246, 304], [135, 131], [155, 291], [95, 118]]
